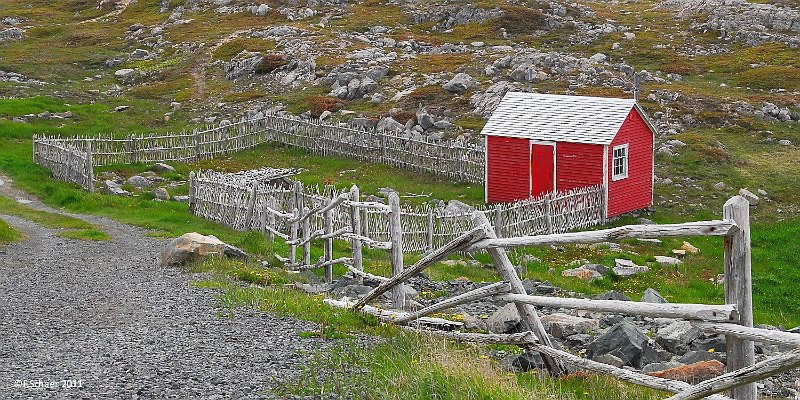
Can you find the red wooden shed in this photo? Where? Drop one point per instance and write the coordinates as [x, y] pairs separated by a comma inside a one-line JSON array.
[[540, 143]]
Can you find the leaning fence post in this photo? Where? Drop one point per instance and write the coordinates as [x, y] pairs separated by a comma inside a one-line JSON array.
[[355, 222], [272, 224], [396, 237], [196, 138], [251, 207], [306, 236], [548, 210], [498, 220], [530, 318], [328, 246], [739, 290], [192, 192], [35, 148]]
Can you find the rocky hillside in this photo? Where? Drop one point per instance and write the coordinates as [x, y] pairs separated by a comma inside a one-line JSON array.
[[712, 72]]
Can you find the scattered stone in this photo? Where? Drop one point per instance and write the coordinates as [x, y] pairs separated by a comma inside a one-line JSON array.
[[612, 295], [749, 196], [689, 248], [677, 336], [111, 187], [189, 247], [582, 273], [181, 199], [352, 291], [623, 340], [140, 54], [124, 74], [504, 320], [693, 373], [460, 83], [527, 361], [720, 186], [661, 366], [610, 360], [389, 124], [161, 194], [696, 356], [628, 268], [562, 325], [668, 261], [139, 181], [161, 167], [121, 108], [652, 296], [10, 34]]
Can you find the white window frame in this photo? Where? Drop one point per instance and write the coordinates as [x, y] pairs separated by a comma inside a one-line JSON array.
[[625, 162]]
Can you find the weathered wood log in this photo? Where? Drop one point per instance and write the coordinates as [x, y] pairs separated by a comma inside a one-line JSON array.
[[530, 318], [323, 263], [755, 334], [369, 204], [391, 315], [355, 222], [373, 244], [472, 295], [522, 338], [396, 237], [366, 275], [722, 313], [704, 228], [427, 260], [739, 290], [741, 377]]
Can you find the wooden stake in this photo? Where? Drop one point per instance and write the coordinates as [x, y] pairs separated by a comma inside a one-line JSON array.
[[328, 248], [355, 222], [306, 237], [739, 290], [396, 233]]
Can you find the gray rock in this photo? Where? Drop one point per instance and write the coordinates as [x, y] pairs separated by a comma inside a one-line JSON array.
[[486, 102], [124, 74], [749, 196], [677, 336], [666, 261], [628, 268], [442, 124], [113, 62], [111, 187], [121, 108], [653, 353], [140, 54], [716, 342], [189, 247], [582, 273], [612, 295], [389, 124], [181, 199], [244, 64], [139, 181], [161, 193], [504, 320], [623, 340], [610, 360], [652, 296], [562, 325], [660, 366], [692, 357], [352, 291], [424, 120], [377, 73], [460, 83], [161, 167], [10, 34], [527, 361]]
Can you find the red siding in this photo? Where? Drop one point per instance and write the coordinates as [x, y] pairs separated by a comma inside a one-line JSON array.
[[636, 191], [578, 165], [542, 169], [507, 169]]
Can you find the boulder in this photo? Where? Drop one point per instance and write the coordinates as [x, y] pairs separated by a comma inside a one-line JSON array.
[[443, 124], [124, 74], [161, 167], [562, 325], [661, 366], [698, 356], [460, 83], [623, 340], [651, 296], [189, 247], [693, 373], [527, 361], [352, 291], [610, 360], [582, 273], [139, 181], [389, 124], [140, 54], [10, 34], [161, 193], [677, 336], [504, 320], [628, 268], [111, 187], [751, 197], [424, 120], [666, 261]]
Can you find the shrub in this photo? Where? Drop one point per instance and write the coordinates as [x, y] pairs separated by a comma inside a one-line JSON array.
[[521, 20], [270, 63]]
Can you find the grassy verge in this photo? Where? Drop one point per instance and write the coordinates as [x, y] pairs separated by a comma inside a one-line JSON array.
[[70, 227], [8, 234]]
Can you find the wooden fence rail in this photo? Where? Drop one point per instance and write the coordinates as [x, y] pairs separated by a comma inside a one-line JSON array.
[[733, 319]]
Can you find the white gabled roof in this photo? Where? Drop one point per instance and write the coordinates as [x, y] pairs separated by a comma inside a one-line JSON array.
[[559, 118]]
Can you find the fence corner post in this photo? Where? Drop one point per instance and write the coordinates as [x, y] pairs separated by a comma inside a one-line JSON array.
[[192, 192], [89, 167], [355, 222], [739, 291], [396, 236]]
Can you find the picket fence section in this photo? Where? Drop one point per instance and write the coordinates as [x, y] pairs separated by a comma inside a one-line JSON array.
[[243, 205], [66, 161], [458, 160]]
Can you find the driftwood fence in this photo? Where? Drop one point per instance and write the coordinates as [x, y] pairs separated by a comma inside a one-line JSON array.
[[66, 161], [252, 204], [733, 319], [453, 159]]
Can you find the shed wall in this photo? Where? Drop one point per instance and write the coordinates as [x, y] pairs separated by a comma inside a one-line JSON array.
[[507, 169], [636, 191], [578, 165]]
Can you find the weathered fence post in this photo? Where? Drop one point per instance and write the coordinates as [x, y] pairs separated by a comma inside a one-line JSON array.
[[355, 222], [133, 148], [498, 220], [530, 319], [328, 247], [298, 195], [430, 228], [396, 238], [306, 236], [293, 235], [272, 224], [196, 139], [89, 168], [548, 211], [251, 207], [192, 192], [739, 290], [35, 148]]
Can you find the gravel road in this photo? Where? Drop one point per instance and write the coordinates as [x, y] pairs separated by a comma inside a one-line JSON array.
[[103, 316]]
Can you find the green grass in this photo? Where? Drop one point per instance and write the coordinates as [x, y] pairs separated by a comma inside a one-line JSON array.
[[8, 234], [72, 228]]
